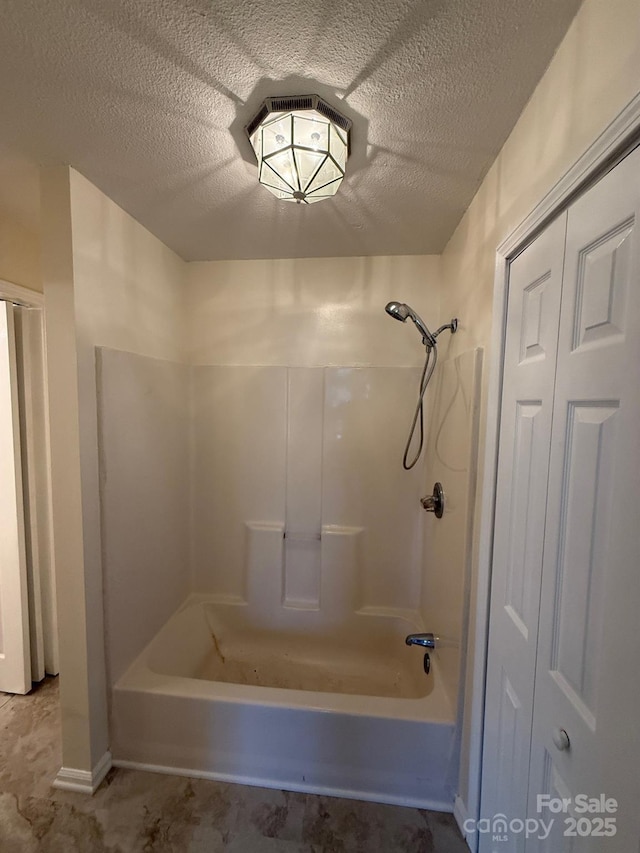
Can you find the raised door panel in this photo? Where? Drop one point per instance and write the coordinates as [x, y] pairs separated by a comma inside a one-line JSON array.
[[550, 831], [522, 553], [587, 494]]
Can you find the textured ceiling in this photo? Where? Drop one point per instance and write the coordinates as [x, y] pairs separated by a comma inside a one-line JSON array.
[[148, 98]]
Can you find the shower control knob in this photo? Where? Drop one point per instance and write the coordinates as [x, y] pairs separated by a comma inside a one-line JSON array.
[[434, 503]]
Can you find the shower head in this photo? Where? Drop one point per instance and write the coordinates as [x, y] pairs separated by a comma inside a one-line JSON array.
[[397, 310], [400, 311]]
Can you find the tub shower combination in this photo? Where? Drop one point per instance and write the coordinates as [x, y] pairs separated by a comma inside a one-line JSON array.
[[332, 698]]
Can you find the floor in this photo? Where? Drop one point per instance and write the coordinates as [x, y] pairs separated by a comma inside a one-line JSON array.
[[136, 812]]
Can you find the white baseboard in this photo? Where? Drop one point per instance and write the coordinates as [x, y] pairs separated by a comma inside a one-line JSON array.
[[83, 781], [433, 805], [461, 814]]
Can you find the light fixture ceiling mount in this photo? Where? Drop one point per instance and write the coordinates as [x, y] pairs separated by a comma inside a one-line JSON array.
[[301, 143]]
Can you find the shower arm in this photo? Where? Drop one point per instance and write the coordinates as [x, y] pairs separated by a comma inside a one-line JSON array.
[[429, 338], [453, 325]]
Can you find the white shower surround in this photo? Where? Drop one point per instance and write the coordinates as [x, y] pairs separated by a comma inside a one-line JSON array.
[[306, 448], [279, 457], [168, 718], [293, 525]]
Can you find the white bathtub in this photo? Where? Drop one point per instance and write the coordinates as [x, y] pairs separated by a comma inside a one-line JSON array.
[[343, 709]]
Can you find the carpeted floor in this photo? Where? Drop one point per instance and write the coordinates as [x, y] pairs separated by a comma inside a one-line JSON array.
[[134, 811]]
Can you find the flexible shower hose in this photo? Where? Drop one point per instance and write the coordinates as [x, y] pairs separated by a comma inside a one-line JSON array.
[[427, 373]]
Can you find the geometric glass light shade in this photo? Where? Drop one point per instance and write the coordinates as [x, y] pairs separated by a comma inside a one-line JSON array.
[[301, 144]]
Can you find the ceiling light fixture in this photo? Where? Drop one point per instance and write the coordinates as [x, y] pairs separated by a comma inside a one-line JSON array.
[[301, 144]]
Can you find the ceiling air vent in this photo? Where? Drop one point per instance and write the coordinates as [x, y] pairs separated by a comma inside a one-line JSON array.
[[333, 115], [264, 112], [285, 105]]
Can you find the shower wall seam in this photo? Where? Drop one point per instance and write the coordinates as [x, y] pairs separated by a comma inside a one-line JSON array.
[[283, 565], [191, 496]]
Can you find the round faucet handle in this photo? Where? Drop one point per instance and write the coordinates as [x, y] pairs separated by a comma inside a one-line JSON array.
[[434, 503]]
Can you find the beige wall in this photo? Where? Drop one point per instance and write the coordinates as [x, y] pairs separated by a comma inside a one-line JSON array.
[[128, 283], [19, 253], [19, 220], [594, 74], [82, 702], [110, 283], [311, 312]]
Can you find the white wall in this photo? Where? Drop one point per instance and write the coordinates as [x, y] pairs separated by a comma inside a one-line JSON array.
[[368, 412], [109, 283], [128, 297], [144, 466], [451, 459], [238, 457], [594, 74]]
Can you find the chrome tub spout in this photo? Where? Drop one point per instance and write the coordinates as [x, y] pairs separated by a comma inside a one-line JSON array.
[[427, 641]]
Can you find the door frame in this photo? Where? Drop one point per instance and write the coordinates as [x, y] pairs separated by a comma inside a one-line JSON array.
[[17, 293], [28, 298], [617, 140]]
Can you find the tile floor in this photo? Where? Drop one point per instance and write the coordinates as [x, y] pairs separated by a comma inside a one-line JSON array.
[[136, 812]]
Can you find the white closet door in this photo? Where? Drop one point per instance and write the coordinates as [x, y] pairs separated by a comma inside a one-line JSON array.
[[588, 673], [535, 283], [15, 663]]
